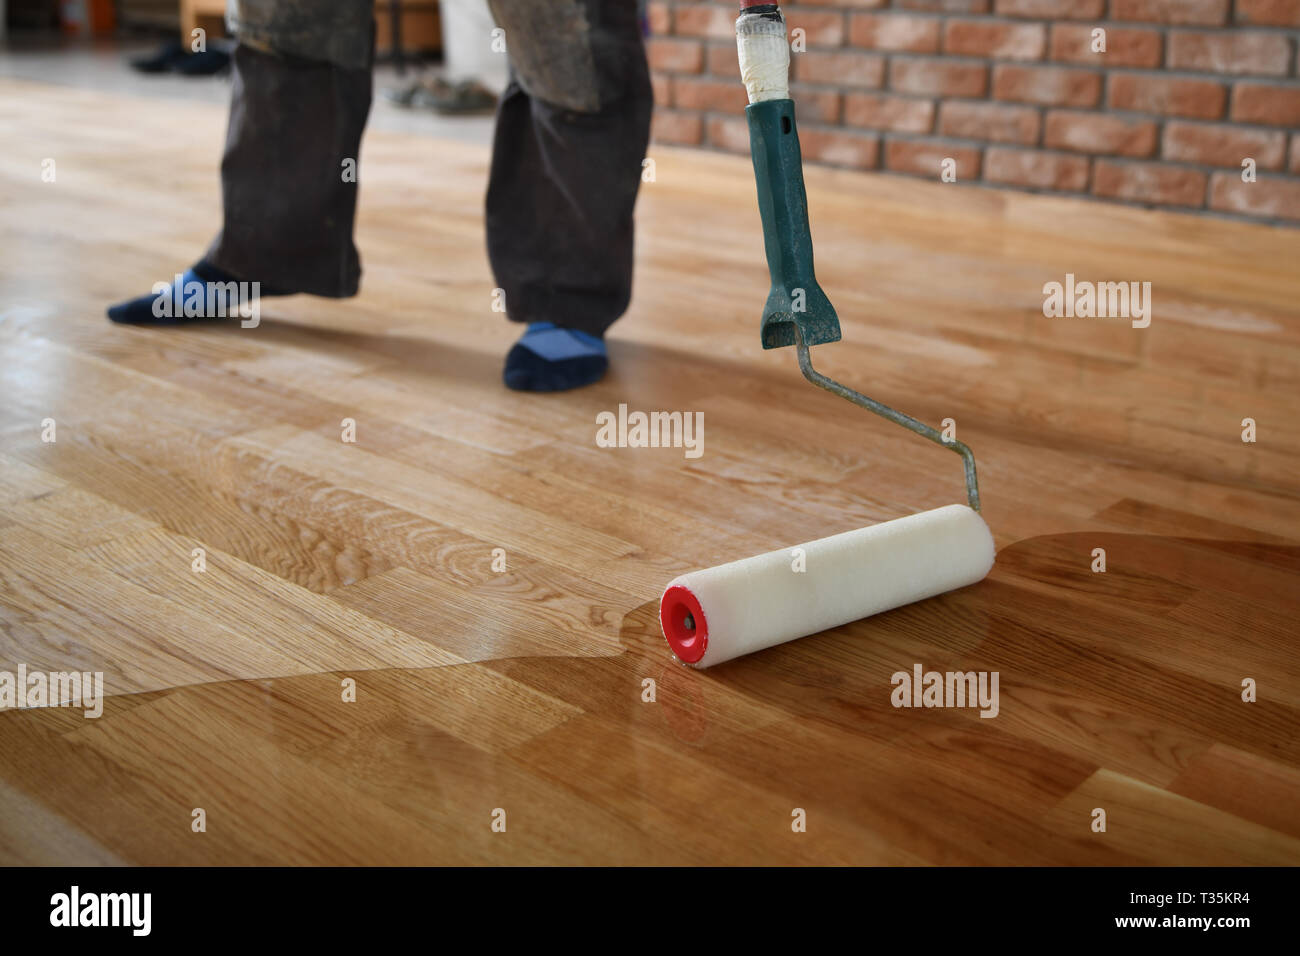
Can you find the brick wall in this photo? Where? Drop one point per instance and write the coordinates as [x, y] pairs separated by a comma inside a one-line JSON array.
[[1012, 92]]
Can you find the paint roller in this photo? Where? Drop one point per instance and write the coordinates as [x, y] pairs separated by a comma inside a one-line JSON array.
[[720, 613]]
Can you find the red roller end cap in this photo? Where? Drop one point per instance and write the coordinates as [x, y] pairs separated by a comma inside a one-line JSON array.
[[746, 4], [685, 627]]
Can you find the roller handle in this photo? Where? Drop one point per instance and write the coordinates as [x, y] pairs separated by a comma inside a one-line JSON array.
[[797, 311], [795, 300]]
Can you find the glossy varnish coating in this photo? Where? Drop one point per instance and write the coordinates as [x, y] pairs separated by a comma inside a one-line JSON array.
[[524, 689]]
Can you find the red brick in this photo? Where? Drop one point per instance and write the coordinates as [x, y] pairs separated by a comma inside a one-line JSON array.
[[723, 62], [1238, 51], [816, 106], [1099, 133], [663, 89], [1049, 85], [1273, 13], [671, 126], [1294, 166], [840, 147], [694, 94], [704, 20], [1036, 169], [937, 77], [1262, 103], [993, 121], [1149, 183], [729, 133], [924, 158], [821, 28], [945, 6], [659, 16], [882, 111], [1168, 95], [892, 31], [672, 55], [1124, 47], [1001, 41], [1216, 145], [1051, 9], [1269, 196], [1202, 13], [842, 69]]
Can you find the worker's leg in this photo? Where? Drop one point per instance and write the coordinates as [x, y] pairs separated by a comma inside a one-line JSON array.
[[299, 101], [572, 130], [289, 174]]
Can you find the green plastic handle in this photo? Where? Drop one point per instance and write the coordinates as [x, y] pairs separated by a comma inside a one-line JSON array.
[[795, 298]]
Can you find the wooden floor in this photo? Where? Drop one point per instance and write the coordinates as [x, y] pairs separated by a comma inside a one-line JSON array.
[[522, 690]]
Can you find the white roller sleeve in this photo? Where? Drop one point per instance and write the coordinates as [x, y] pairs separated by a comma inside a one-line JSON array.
[[758, 602], [764, 57]]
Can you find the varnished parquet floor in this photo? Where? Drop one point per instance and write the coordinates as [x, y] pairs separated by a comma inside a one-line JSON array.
[[523, 690]]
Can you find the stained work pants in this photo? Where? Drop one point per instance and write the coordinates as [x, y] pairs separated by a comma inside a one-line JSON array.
[[572, 129]]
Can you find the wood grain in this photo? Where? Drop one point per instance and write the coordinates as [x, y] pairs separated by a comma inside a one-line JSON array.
[[480, 688]]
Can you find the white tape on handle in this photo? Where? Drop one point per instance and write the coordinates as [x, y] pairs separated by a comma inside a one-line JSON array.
[[764, 57]]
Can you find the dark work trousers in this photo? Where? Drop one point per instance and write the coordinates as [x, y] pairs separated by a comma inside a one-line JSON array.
[[572, 130]]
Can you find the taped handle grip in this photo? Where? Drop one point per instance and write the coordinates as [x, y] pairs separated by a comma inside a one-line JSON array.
[[796, 301]]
